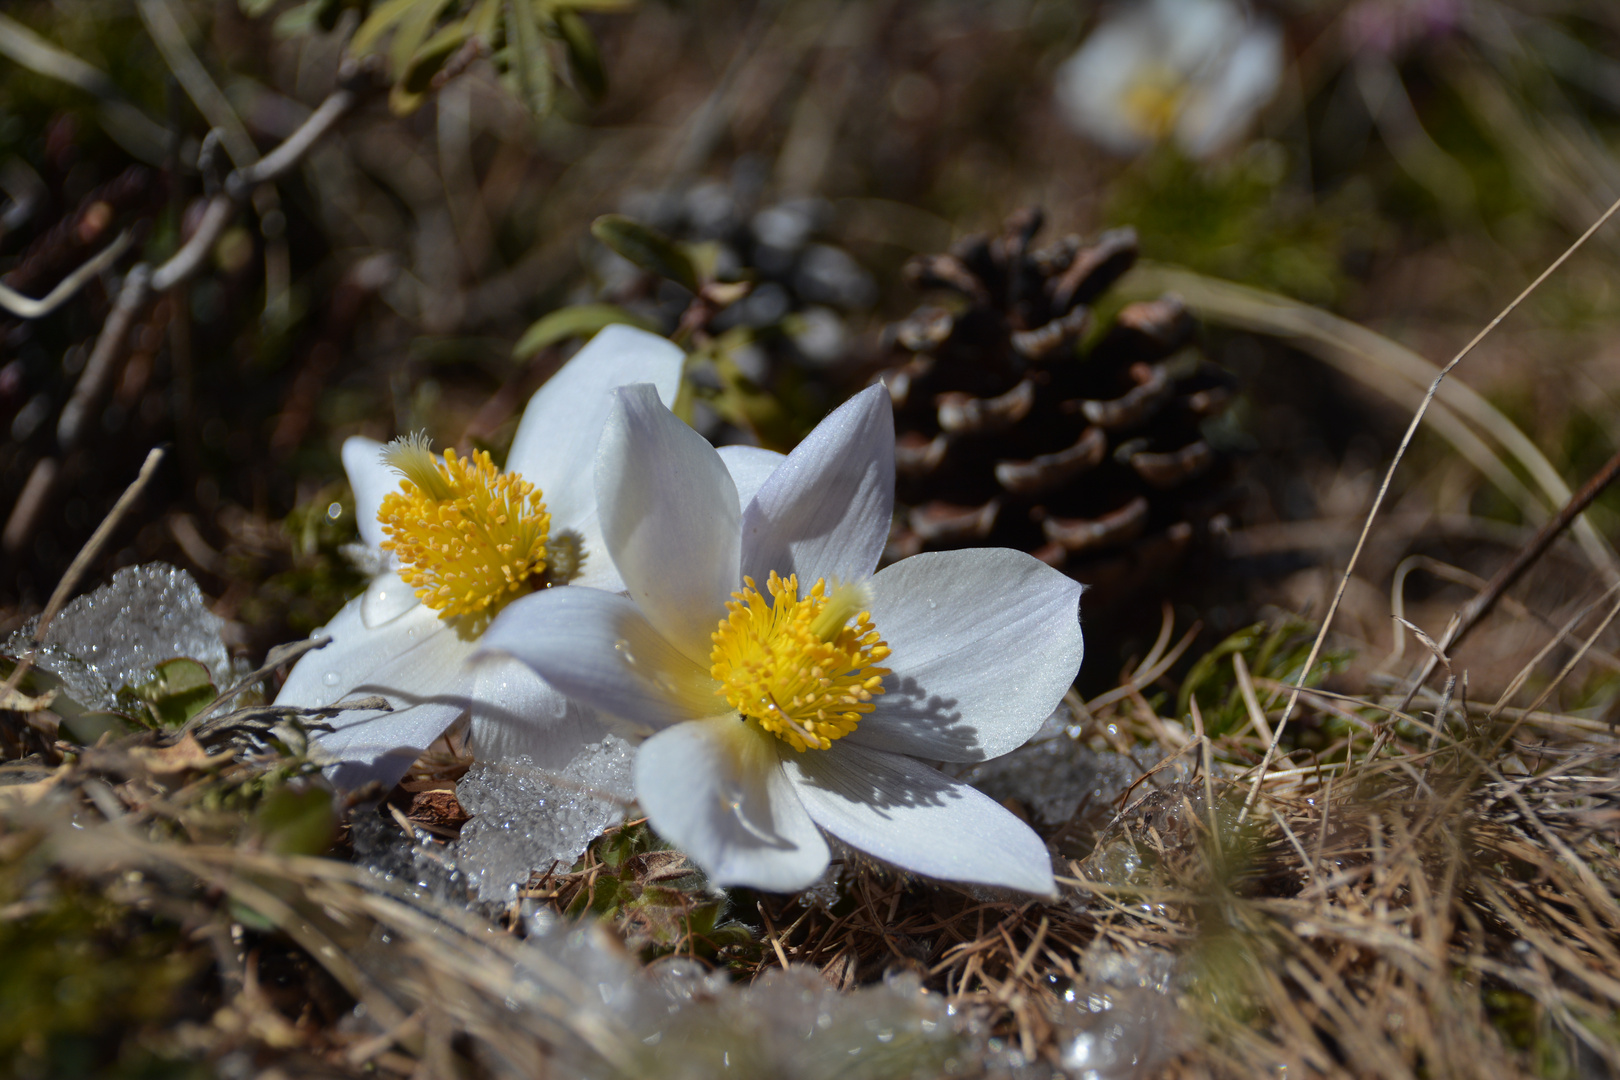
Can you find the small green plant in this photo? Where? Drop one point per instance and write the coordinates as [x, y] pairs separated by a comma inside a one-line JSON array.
[[1275, 652], [661, 902]]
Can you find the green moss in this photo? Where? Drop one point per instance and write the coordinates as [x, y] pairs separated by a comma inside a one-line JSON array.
[[81, 980], [1237, 220]]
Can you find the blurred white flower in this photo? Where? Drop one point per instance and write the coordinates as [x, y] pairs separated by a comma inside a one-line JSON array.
[[1196, 71], [790, 689], [455, 541]]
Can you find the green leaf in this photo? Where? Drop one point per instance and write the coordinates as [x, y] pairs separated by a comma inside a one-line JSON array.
[[177, 691], [297, 21], [1204, 671], [250, 918], [87, 728], [254, 8], [379, 22], [579, 320], [647, 248], [531, 63], [412, 32], [297, 822], [584, 59], [417, 79]]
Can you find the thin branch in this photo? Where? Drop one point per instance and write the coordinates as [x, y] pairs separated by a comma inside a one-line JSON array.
[[1469, 615], [103, 363], [81, 562], [1383, 491], [142, 281], [281, 160], [25, 307]]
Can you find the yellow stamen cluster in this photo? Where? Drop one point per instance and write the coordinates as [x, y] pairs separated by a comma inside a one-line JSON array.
[[803, 670], [470, 538], [1153, 101]]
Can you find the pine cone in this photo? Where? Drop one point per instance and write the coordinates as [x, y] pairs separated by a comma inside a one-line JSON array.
[[1008, 435]]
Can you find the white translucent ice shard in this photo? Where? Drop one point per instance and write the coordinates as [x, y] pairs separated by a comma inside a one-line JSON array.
[[524, 818], [113, 637], [1055, 775]]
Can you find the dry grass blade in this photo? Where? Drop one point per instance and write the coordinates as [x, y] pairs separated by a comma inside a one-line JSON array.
[[1383, 490], [1372, 359], [81, 562]]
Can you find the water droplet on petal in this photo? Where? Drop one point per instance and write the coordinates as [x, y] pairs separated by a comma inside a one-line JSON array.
[[331, 678]]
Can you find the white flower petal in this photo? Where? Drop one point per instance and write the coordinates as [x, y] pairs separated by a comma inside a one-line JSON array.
[[826, 511], [516, 714], [598, 571], [1194, 35], [750, 467], [598, 648], [669, 518], [355, 654], [1220, 108], [555, 444], [429, 686], [986, 643], [716, 790], [1091, 84], [371, 480], [911, 815], [386, 599]]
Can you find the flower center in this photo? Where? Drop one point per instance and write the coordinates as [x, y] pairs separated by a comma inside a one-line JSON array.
[[804, 670], [1153, 100], [470, 538]]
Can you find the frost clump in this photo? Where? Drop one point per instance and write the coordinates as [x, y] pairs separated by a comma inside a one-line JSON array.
[[114, 636], [524, 817], [677, 1020], [422, 867], [1123, 1022], [1056, 777]]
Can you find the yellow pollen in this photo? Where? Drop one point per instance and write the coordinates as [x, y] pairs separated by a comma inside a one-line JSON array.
[[1153, 101], [470, 538], [803, 670]]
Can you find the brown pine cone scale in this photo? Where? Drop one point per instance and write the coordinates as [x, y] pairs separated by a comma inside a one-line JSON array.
[[1008, 434]]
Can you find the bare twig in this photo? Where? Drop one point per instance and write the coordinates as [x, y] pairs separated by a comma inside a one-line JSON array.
[[103, 363], [36, 491], [279, 655], [81, 562], [142, 281], [1469, 615], [25, 307], [1383, 491]]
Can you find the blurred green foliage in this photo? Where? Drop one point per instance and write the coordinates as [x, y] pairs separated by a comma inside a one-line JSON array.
[[421, 37], [84, 984], [1242, 220]]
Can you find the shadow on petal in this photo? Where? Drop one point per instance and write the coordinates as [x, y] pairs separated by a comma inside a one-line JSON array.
[[874, 780], [910, 720]]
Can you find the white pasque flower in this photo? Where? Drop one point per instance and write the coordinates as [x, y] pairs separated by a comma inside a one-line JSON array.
[[459, 540], [782, 705], [1195, 70]]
